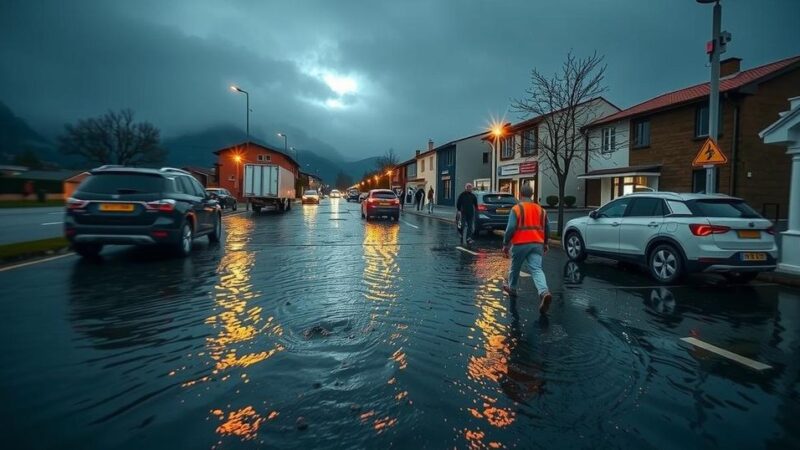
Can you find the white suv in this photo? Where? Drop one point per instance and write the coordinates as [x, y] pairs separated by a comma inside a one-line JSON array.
[[673, 234]]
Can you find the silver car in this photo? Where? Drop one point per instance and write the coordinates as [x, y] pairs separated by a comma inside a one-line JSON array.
[[673, 234]]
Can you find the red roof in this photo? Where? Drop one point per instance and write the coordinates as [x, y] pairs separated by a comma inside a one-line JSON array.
[[698, 91]]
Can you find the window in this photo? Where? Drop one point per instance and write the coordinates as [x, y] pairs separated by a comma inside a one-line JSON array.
[[184, 186], [411, 171], [199, 191], [699, 180], [530, 142], [614, 209], [447, 186], [608, 140], [646, 207], [122, 184], [430, 162], [264, 157], [641, 133], [701, 121], [486, 157], [679, 208], [422, 165], [723, 208], [507, 148]]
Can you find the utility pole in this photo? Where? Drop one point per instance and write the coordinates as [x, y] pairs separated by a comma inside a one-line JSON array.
[[713, 96]]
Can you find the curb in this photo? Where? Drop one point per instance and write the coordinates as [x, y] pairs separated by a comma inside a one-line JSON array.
[[780, 278]]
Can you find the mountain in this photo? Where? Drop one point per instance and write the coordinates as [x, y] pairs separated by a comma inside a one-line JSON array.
[[16, 136], [357, 168]]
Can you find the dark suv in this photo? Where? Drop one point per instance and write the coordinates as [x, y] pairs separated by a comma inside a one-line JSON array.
[[129, 206]]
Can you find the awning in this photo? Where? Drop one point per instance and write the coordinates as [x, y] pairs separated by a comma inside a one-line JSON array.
[[617, 172]]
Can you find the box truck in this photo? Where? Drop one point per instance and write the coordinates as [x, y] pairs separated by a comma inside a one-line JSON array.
[[268, 187]]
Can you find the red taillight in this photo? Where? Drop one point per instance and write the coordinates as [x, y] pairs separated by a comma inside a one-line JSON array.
[[161, 206], [74, 203], [704, 229], [395, 202], [482, 207], [159, 234], [372, 200]]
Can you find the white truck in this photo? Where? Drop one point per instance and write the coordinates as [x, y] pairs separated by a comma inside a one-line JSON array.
[[268, 187]]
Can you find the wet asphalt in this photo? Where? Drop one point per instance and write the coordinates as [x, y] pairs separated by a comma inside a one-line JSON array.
[[315, 329]]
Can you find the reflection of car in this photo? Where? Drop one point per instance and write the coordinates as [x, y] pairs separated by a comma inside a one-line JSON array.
[[310, 196], [123, 205], [493, 211], [379, 203], [224, 197], [673, 234], [353, 195], [336, 194], [363, 196]]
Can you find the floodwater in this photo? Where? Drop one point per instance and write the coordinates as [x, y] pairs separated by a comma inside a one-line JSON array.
[[315, 329]]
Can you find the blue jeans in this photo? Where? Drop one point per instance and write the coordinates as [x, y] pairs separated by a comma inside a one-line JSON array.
[[532, 255], [467, 228]]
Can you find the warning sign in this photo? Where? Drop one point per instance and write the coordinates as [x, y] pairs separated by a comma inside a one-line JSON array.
[[709, 155]]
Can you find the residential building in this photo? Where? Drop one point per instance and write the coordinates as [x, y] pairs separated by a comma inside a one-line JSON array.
[[400, 175], [231, 161], [412, 181], [667, 131], [205, 176], [426, 170], [522, 159], [460, 162]]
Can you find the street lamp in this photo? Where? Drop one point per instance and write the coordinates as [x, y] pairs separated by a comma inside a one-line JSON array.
[[497, 132], [389, 178], [285, 142], [238, 160], [247, 96], [713, 95]]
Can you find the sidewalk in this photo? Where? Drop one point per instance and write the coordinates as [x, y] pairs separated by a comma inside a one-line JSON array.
[[443, 213]]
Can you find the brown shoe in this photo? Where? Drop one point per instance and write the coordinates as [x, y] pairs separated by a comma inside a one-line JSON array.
[[545, 304]]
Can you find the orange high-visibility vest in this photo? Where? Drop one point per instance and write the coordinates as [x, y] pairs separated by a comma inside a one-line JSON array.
[[530, 224]]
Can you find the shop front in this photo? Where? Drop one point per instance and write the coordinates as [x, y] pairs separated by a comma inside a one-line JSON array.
[[511, 177]]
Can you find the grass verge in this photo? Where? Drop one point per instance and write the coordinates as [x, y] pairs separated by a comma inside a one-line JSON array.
[[30, 203], [20, 250]]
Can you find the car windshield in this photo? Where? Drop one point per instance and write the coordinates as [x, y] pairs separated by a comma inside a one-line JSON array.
[[503, 199], [384, 195], [122, 184], [311, 193], [723, 208]]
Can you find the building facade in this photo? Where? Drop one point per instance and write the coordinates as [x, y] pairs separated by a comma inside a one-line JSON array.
[[426, 170], [521, 158], [231, 161], [667, 131], [460, 162]]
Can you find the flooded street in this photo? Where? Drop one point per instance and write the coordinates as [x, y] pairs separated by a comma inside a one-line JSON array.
[[315, 329]]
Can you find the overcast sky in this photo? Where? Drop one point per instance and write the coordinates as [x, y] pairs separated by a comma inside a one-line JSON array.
[[361, 75]]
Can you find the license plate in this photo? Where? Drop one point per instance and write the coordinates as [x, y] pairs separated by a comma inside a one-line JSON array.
[[754, 256], [749, 234], [116, 207], [384, 204], [502, 210]]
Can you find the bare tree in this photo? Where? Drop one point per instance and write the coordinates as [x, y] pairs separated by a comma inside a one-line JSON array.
[[565, 102], [113, 138], [386, 162]]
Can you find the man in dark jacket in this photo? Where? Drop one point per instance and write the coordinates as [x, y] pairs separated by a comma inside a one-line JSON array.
[[467, 205], [419, 198]]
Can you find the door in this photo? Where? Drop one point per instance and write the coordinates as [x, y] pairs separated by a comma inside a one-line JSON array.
[[643, 220], [602, 232], [208, 205], [196, 203]]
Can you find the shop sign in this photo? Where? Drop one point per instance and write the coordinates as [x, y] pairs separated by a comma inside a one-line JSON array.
[[529, 167], [509, 169]]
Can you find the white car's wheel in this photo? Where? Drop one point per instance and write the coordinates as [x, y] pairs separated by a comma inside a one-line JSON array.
[[576, 251], [665, 264]]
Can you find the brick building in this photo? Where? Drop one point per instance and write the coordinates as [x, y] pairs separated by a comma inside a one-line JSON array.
[[667, 131], [230, 162]]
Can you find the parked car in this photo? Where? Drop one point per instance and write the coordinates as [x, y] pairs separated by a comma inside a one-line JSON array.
[[381, 203], [130, 206], [310, 197], [493, 211], [353, 195], [224, 197], [674, 234], [336, 194]]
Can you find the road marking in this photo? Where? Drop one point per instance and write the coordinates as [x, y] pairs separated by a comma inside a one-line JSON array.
[[30, 263], [726, 354], [60, 212], [468, 251], [52, 223], [413, 226]]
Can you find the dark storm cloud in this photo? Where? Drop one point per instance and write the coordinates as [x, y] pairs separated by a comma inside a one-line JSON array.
[[424, 68]]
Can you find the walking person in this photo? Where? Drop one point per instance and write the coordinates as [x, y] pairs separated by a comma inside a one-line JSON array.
[[526, 239], [466, 205], [419, 198], [402, 197], [430, 200]]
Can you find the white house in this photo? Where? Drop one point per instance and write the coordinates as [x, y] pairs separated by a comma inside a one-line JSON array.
[[519, 155], [426, 170]]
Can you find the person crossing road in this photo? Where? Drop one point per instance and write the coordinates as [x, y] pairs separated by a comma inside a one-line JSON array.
[[466, 205], [526, 239]]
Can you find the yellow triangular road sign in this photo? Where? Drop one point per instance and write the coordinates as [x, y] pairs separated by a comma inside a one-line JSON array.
[[709, 154]]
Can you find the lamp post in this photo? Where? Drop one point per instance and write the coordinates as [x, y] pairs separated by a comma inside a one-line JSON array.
[[285, 142], [713, 95], [239, 185], [497, 132]]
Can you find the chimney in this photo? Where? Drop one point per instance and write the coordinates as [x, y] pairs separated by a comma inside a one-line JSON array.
[[729, 66], [417, 153], [430, 144]]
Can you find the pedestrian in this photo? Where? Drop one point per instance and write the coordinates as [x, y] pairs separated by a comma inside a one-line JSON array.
[[402, 197], [27, 189], [430, 200], [526, 238], [419, 197], [466, 205]]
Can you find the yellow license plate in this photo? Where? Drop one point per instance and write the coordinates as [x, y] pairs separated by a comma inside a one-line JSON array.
[[749, 234], [503, 210], [116, 207], [754, 256]]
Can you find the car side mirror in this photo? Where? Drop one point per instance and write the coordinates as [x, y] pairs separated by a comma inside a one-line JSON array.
[[593, 215]]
